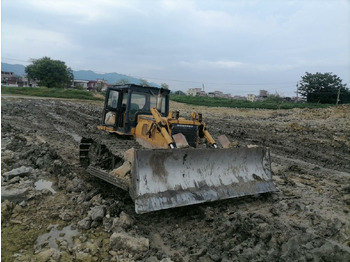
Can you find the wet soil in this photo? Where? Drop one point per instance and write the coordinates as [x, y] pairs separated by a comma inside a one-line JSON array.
[[55, 211]]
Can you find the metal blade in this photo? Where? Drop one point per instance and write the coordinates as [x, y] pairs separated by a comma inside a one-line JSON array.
[[171, 178]]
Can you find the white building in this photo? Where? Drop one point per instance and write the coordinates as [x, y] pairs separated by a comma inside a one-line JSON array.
[[251, 97], [193, 91], [81, 83]]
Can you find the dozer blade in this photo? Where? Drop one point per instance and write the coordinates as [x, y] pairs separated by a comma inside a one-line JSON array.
[[171, 178]]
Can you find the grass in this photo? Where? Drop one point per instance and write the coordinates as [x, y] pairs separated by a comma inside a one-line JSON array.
[[15, 238], [50, 92], [224, 102]]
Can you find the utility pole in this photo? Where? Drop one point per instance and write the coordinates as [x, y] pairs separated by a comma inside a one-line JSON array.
[[297, 92], [338, 96]]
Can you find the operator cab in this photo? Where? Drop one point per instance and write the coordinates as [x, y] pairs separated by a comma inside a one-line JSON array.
[[124, 103]]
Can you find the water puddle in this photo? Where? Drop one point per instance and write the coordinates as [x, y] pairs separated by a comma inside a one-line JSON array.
[[50, 239], [44, 184]]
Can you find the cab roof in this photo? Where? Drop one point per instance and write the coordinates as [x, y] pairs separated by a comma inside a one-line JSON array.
[[139, 88]]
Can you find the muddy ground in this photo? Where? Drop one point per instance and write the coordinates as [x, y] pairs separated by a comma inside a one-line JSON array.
[[52, 210]]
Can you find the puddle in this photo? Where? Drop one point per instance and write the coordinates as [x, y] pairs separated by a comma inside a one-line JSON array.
[[44, 184], [50, 239]]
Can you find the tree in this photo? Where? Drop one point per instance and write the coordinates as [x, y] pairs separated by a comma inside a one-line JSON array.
[[164, 86], [179, 93], [322, 88], [274, 98], [144, 82], [50, 73], [122, 81]]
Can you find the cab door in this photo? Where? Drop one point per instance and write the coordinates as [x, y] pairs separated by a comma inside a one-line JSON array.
[[112, 114]]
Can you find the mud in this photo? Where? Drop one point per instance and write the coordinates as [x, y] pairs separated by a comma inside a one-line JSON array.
[[81, 218]]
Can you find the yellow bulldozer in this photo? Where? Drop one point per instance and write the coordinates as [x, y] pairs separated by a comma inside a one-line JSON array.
[[165, 160]]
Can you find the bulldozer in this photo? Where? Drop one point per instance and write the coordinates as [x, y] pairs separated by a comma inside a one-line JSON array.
[[164, 160]]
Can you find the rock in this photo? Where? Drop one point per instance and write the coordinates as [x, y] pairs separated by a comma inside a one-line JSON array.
[[45, 255], [23, 204], [209, 214], [97, 213], [123, 171], [14, 180], [224, 142], [66, 216], [13, 194], [129, 155], [81, 256], [152, 259], [78, 184], [123, 221], [107, 223], [40, 162], [85, 223], [6, 209], [166, 260], [96, 200], [61, 182], [69, 186], [132, 244], [18, 172]]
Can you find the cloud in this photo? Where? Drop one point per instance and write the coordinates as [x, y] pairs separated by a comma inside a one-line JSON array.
[[212, 41], [84, 11]]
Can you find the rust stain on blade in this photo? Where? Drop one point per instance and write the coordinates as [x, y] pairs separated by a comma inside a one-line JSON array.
[[157, 164]]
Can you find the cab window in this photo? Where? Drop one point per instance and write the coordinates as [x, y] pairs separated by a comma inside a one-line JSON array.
[[154, 103], [138, 102], [113, 99]]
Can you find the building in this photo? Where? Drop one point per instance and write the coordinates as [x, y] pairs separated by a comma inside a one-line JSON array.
[[92, 86], [193, 91], [201, 93], [219, 94], [80, 83], [239, 98], [101, 85], [10, 79], [251, 97], [263, 93]]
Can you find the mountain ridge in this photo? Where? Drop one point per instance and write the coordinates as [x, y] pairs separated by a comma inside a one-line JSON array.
[[111, 78]]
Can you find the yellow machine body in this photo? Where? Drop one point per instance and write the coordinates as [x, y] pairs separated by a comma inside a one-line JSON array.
[[170, 169]]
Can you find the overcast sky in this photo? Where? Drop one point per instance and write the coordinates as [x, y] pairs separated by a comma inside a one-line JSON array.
[[234, 46]]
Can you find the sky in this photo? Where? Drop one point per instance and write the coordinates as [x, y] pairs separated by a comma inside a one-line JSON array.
[[234, 46]]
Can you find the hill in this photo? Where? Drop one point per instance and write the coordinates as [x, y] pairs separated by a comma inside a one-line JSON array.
[[111, 78], [17, 69]]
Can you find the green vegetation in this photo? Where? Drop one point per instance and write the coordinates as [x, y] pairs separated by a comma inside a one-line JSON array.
[[50, 92], [324, 88], [224, 102], [50, 73]]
